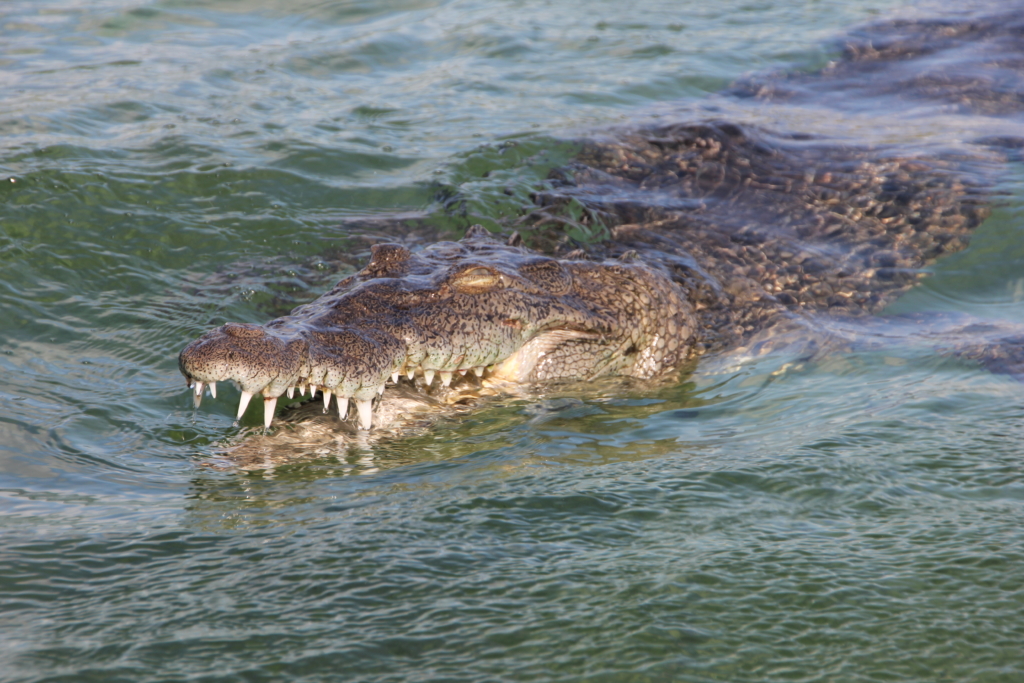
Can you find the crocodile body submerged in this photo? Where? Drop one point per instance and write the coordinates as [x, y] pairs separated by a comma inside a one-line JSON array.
[[716, 230]]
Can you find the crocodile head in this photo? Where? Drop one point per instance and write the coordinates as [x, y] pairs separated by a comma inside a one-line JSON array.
[[477, 305]]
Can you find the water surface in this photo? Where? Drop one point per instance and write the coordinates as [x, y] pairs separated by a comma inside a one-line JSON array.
[[167, 166]]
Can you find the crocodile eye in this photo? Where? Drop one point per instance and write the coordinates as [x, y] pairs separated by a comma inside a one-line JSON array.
[[476, 279]]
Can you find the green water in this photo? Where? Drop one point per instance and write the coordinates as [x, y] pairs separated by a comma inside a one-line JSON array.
[[170, 165]]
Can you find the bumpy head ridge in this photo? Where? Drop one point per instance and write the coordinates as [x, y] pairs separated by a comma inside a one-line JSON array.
[[476, 305]]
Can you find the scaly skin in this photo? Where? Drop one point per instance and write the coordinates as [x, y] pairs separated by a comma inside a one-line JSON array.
[[756, 227], [477, 304]]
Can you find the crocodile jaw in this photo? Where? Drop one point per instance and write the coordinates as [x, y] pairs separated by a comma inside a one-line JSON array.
[[275, 361], [454, 307], [271, 363]]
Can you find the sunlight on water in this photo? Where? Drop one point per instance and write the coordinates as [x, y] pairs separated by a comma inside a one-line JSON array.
[[167, 166]]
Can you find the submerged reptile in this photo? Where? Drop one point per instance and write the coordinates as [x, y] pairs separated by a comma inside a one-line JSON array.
[[678, 284], [717, 231], [474, 305]]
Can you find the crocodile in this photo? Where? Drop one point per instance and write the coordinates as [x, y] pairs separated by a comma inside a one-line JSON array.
[[639, 305], [475, 305], [716, 231]]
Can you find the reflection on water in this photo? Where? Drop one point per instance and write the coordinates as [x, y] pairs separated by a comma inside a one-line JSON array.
[[835, 500]]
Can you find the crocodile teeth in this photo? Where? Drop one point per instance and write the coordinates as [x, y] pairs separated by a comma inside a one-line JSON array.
[[365, 409], [302, 390], [197, 399], [342, 407], [479, 371], [380, 390], [394, 376], [268, 411], [463, 371], [291, 392], [428, 375], [213, 389], [327, 399], [410, 372], [198, 387], [446, 378], [243, 404]]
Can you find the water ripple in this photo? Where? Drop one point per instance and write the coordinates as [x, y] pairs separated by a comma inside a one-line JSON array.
[[172, 165]]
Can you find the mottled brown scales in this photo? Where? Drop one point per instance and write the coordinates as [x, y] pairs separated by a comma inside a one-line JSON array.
[[454, 307], [725, 230], [971, 65], [752, 224], [716, 231]]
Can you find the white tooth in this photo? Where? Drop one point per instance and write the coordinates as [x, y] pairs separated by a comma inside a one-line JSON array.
[[463, 371], [428, 376], [380, 390], [327, 399], [291, 392], [243, 404], [446, 378], [302, 390], [199, 389], [213, 389], [196, 400], [410, 372], [365, 409], [268, 411], [342, 407], [394, 376], [478, 371]]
